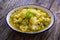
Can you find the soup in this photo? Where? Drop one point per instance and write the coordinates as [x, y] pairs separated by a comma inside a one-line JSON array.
[[30, 19]]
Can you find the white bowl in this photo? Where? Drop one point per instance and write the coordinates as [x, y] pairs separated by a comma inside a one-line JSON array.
[[32, 6]]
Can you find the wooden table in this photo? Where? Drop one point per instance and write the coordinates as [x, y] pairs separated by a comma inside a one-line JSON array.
[[8, 34]]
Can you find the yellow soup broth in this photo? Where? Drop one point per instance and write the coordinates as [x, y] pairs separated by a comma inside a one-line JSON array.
[[30, 19]]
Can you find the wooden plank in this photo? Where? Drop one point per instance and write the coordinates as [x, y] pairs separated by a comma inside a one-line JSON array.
[[5, 34], [56, 7], [18, 36], [55, 35], [40, 36], [45, 3], [31, 2], [10, 37], [2, 4], [4, 30], [2, 25], [56, 31]]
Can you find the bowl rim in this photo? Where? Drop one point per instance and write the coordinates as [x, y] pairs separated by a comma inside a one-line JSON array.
[[36, 7]]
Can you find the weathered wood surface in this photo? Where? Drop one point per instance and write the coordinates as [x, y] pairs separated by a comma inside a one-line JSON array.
[[7, 34]]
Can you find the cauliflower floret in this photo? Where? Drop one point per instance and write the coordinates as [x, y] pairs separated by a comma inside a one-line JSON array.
[[16, 16], [35, 27], [33, 20], [23, 13], [23, 28], [17, 20]]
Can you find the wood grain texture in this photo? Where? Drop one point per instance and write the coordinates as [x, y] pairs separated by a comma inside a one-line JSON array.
[[55, 35], [56, 6], [9, 6], [4, 30], [45, 3], [52, 34]]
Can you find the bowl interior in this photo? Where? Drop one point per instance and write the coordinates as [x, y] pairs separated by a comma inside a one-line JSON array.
[[31, 6]]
